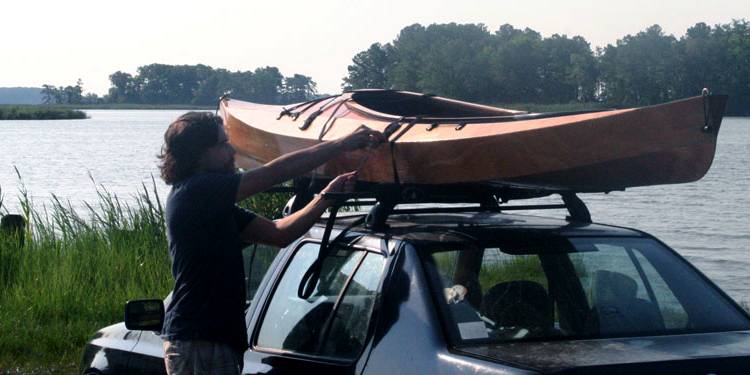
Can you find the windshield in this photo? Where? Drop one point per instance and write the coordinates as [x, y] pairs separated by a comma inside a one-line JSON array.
[[555, 287]]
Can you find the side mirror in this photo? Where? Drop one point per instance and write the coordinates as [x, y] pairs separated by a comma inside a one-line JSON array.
[[144, 315]]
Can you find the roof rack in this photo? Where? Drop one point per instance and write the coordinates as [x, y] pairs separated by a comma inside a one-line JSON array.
[[384, 198]]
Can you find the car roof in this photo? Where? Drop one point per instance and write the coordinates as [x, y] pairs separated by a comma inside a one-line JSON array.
[[464, 226]]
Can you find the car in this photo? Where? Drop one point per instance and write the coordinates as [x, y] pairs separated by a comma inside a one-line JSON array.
[[448, 287]]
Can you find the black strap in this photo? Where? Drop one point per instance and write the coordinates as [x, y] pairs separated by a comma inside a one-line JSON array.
[[289, 111], [284, 112], [406, 129], [344, 231], [308, 122], [325, 125], [310, 119], [396, 179], [387, 133], [312, 275], [392, 128]]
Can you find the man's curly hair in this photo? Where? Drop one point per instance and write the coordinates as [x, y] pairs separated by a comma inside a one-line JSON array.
[[185, 141]]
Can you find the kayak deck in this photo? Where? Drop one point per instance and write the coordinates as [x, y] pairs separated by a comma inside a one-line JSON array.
[[440, 141]]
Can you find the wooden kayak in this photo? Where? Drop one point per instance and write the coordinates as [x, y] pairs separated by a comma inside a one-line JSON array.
[[435, 140]]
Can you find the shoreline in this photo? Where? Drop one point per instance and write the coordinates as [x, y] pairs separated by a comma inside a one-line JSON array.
[[39, 112], [71, 111], [126, 106]]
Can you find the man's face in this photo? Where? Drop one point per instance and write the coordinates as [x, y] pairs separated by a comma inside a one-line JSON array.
[[219, 157]]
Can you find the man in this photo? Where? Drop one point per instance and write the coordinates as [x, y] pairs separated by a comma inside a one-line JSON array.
[[204, 328]]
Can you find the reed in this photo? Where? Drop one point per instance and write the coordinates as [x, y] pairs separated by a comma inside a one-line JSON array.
[[74, 271]]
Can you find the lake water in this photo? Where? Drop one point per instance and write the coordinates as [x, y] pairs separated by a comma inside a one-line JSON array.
[[706, 221]]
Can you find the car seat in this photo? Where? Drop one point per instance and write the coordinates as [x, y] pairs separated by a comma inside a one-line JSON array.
[[616, 307], [520, 304]]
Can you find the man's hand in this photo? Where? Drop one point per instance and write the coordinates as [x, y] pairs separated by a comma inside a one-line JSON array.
[[301, 161], [360, 138], [343, 183], [284, 231]]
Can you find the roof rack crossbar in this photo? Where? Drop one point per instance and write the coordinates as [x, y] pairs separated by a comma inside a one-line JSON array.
[[476, 209], [384, 198]]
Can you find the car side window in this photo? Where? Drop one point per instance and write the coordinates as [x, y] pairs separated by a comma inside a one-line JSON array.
[[607, 259], [508, 292], [626, 292], [257, 258], [334, 320], [351, 320], [675, 316]]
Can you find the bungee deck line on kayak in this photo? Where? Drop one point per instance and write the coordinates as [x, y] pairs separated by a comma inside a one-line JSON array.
[[432, 121]]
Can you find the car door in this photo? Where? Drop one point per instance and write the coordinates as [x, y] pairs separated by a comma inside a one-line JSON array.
[[326, 332], [147, 357]]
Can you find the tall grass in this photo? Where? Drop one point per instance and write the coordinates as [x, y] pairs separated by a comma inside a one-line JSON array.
[[74, 271]]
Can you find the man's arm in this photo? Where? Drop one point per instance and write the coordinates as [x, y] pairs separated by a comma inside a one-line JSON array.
[[285, 168], [284, 231], [302, 161]]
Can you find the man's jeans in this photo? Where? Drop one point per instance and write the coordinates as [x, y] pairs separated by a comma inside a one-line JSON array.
[[201, 357]]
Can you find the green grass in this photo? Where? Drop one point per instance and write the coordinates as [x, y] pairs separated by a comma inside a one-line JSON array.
[[515, 268], [75, 271], [504, 269], [73, 275], [39, 112]]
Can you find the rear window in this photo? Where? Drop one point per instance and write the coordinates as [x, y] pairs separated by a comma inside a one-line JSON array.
[[552, 288]]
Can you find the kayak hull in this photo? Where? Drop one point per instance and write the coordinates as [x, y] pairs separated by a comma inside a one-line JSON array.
[[608, 150]]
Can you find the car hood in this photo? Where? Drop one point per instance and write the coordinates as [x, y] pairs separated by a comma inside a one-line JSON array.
[[711, 349], [116, 336]]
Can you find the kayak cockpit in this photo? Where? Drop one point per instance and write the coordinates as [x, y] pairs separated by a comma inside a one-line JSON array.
[[410, 104]]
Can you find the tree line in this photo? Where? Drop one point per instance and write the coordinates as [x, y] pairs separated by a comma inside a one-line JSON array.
[[511, 65], [467, 61], [68, 94], [189, 84], [202, 85]]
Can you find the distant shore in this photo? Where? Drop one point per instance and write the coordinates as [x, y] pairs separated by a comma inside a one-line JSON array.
[[39, 112], [531, 107], [136, 106], [75, 111]]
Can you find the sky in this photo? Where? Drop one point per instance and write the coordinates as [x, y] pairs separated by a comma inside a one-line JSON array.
[[57, 42]]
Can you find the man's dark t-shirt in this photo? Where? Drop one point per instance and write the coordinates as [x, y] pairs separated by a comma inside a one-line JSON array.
[[203, 226]]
